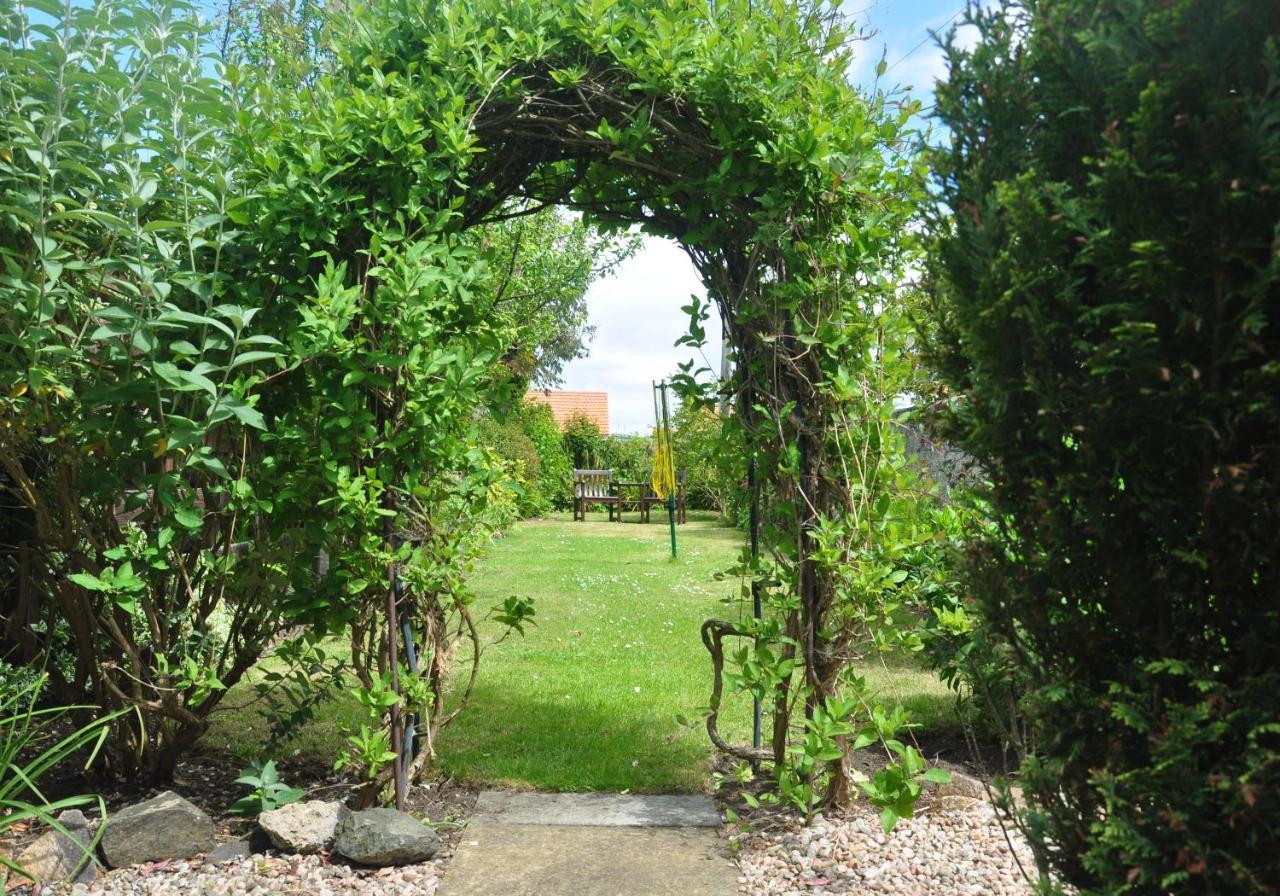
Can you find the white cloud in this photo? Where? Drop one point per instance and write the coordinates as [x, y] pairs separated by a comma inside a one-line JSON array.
[[637, 311], [637, 317]]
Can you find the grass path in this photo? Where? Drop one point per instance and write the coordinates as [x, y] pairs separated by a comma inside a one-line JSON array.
[[589, 698]]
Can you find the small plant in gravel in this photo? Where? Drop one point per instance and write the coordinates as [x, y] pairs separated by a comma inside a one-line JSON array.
[[895, 788], [266, 790]]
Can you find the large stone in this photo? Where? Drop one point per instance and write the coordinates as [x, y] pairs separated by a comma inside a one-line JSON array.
[[963, 785], [165, 827], [54, 857], [303, 827], [385, 837]]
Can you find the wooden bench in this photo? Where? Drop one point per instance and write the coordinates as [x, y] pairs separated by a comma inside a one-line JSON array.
[[594, 487], [649, 499]]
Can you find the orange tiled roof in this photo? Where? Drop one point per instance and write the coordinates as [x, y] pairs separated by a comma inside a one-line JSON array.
[[594, 405]]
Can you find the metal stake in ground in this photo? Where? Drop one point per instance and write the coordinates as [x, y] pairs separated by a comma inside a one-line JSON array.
[[663, 478], [754, 488]]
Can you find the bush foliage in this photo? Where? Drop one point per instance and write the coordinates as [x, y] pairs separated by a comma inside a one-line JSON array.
[[130, 376], [629, 456], [254, 321], [1108, 322], [582, 441], [715, 465], [537, 458]]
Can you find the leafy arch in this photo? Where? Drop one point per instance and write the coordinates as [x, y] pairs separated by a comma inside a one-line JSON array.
[[730, 128]]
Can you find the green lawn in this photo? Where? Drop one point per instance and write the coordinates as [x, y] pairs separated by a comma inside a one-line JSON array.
[[589, 698]]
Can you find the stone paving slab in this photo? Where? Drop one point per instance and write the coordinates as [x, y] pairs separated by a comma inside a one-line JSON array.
[[598, 809], [577, 860]]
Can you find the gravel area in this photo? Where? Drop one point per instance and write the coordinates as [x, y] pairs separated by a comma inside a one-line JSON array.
[[260, 875], [444, 802], [940, 852]]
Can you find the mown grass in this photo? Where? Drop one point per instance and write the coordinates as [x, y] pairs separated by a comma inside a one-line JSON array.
[[591, 697]]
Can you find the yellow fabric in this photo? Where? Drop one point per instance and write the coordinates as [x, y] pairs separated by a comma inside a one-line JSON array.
[[663, 478]]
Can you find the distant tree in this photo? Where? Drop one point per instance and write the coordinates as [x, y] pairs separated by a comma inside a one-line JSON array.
[[714, 465], [546, 263], [582, 441]]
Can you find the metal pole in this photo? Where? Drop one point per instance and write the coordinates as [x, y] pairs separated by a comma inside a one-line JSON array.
[[411, 657], [756, 727], [671, 498], [393, 661]]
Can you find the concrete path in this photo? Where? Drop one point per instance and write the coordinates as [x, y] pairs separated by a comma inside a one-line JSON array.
[[568, 844]]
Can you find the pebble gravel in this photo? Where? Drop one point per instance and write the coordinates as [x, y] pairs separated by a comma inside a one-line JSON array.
[[260, 875], [955, 847], [941, 852]]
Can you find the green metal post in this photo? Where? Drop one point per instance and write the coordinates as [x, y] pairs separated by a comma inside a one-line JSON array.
[[671, 498]]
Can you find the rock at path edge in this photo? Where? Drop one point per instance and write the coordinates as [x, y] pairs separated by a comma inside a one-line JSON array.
[[53, 856], [385, 837], [164, 827], [303, 827], [963, 785]]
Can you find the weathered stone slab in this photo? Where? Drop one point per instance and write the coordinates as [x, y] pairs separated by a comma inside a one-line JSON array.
[[599, 809], [577, 860], [226, 852]]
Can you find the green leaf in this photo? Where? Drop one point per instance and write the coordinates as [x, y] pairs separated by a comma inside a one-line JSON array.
[[212, 464], [284, 795], [864, 740], [246, 805], [178, 315], [188, 518], [251, 357], [86, 581]]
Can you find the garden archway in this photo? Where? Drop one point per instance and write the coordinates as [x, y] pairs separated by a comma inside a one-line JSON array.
[[730, 128]]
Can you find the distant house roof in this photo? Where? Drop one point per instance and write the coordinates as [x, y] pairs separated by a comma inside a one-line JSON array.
[[593, 405]]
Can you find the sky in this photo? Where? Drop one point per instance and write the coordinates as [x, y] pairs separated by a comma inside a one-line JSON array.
[[637, 313]]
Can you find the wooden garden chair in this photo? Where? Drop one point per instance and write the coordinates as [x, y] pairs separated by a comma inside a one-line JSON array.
[[594, 487]]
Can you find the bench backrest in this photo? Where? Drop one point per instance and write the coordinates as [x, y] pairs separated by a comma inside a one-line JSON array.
[[592, 483]]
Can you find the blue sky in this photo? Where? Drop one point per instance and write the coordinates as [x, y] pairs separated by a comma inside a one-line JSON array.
[[637, 311]]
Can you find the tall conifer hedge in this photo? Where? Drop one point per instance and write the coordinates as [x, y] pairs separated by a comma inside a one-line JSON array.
[[1107, 280]]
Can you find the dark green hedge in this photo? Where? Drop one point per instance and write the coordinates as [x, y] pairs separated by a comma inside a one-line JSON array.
[[1108, 298]]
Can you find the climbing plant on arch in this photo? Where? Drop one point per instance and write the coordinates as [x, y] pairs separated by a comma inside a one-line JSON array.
[[729, 127]]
